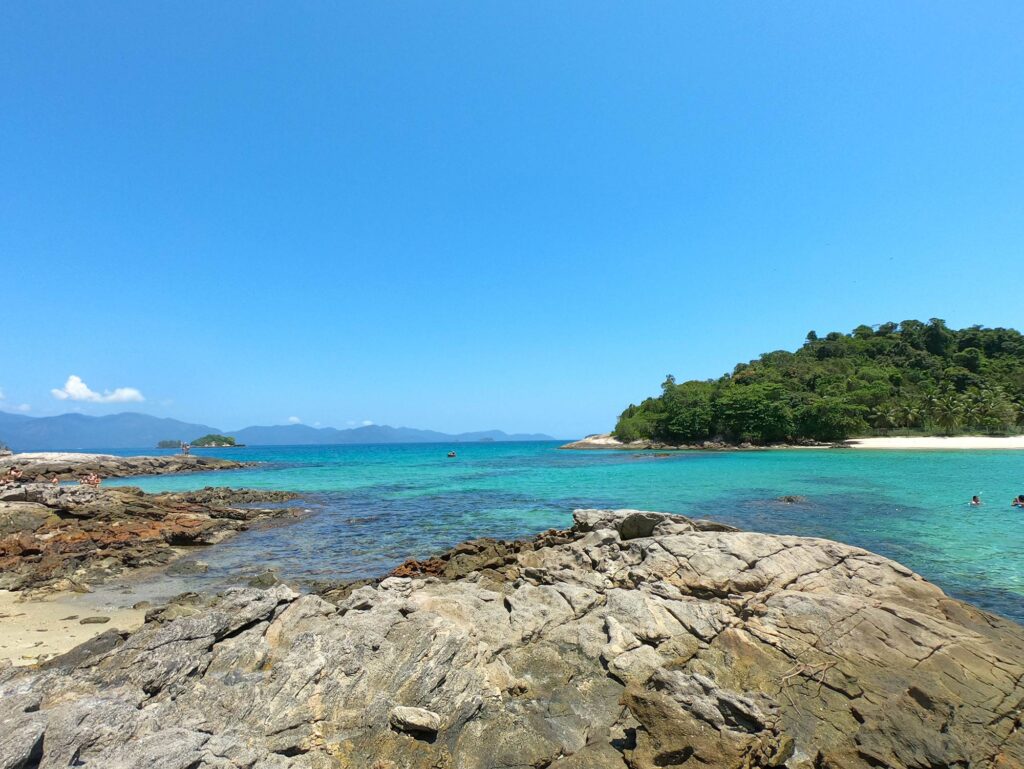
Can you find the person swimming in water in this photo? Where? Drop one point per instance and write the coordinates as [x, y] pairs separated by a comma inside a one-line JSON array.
[[975, 501], [1018, 502]]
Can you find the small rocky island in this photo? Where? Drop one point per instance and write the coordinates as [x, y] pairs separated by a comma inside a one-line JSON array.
[[215, 441], [633, 640]]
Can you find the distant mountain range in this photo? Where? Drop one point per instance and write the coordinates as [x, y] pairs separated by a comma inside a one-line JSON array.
[[130, 430]]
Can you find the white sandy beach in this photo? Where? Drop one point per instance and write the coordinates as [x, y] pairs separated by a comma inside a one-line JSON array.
[[955, 443], [34, 630]]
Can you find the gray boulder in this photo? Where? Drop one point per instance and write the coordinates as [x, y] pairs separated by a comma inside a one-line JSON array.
[[583, 649]]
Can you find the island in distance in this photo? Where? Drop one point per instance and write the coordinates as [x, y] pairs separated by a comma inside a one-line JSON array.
[[210, 441], [130, 430]]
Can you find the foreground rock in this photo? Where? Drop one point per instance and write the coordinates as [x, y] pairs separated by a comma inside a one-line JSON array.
[[64, 537], [43, 466], [634, 640]]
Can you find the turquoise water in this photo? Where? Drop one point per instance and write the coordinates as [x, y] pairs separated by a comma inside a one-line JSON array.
[[375, 506]]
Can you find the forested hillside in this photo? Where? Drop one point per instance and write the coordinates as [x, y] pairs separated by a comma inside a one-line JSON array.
[[917, 376]]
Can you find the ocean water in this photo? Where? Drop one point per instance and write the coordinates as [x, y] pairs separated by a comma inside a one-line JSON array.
[[374, 506]]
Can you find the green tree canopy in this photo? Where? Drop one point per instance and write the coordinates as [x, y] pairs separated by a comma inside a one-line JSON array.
[[214, 440], [913, 374]]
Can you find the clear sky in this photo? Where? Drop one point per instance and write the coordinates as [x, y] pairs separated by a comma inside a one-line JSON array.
[[473, 215]]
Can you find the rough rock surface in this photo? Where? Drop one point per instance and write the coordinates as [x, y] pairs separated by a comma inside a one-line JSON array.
[[607, 646], [69, 536], [42, 466]]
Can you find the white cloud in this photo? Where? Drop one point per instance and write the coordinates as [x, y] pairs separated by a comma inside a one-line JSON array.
[[77, 390], [367, 422], [294, 421], [1, 393]]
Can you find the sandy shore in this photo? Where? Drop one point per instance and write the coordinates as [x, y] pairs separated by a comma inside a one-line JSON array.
[[956, 443], [34, 630]]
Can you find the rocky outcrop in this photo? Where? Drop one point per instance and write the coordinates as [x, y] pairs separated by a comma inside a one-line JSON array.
[[71, 536], [633, 640], [604, 441], [44, 466]]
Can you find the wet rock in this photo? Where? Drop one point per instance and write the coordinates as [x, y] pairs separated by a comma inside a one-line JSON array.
[[93, 620], [187, 568], [638, 524], [265, 579]]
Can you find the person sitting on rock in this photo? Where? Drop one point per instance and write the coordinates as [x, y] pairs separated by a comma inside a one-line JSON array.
[[55, 480]]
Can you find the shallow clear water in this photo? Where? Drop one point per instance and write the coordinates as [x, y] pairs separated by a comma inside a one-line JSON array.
[[378, 505]]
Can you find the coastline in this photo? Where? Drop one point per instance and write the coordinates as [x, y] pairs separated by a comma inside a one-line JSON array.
[[36, 628], [605, 442], [68, 465], [62, 546], [939, 442]]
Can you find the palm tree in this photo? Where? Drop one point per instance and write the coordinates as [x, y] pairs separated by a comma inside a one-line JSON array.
[[972, 412], [1018, 414], [883, 417], [947, 413], [907, 415]]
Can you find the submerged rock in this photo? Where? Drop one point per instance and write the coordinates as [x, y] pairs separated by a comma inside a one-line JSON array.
[[681, 645]]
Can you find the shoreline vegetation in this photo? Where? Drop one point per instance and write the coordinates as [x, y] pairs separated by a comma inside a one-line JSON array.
[[909, 376]]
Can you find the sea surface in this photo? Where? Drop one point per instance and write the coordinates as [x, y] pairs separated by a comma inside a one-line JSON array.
[[374, 506]]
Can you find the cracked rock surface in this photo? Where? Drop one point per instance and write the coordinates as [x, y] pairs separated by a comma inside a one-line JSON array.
[[632, 640]]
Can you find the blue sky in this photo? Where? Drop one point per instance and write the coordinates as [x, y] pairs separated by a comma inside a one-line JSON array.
[[472, 215]]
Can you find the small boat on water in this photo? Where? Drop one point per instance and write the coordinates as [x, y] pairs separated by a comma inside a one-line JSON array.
[[451, 454]]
